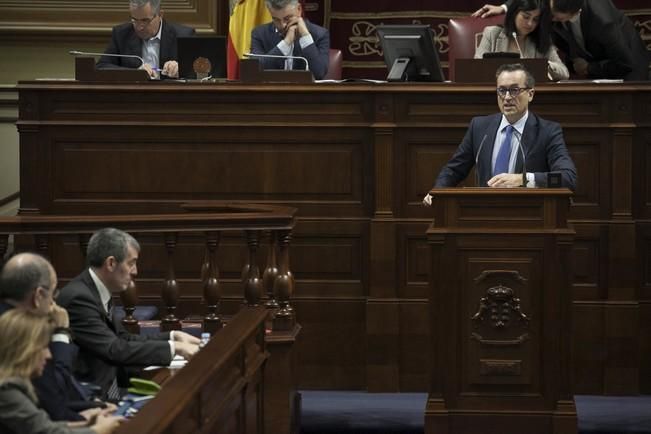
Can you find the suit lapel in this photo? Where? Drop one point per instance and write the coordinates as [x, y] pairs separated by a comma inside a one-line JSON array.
[[167, 45], [98, 300], [486, 157], [527, 141]]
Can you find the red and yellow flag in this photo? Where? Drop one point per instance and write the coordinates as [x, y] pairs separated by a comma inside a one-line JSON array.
[[245, 16]]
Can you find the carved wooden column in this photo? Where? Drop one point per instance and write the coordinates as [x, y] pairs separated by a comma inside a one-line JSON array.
[[41, 243], [170, 293], [4, 244], [269, 276], [284, 286], [251, 273], [212, 322]]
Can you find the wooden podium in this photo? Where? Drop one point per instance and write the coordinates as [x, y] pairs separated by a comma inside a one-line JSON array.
[[500, 308]]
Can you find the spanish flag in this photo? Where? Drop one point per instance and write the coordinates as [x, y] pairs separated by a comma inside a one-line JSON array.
[[245, 16]]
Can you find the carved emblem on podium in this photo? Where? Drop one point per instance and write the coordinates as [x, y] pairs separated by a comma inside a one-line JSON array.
[[499, 319], [499, 307]]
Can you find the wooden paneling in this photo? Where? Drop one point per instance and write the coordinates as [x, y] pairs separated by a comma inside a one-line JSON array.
[[57, 19], [356, 160]]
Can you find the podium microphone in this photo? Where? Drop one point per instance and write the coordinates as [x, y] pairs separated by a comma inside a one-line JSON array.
[[275, 56], [515, 37], [481, 145], [524, 159], [87, 53]]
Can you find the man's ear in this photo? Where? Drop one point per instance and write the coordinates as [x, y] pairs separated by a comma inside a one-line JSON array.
[[110, 263], [37, 297], [531, 94], [161, 13]]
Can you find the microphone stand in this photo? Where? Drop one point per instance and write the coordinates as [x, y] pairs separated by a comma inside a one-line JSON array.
[[276, 56]]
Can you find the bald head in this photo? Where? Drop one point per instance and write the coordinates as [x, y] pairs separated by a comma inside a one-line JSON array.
[[23, 275]]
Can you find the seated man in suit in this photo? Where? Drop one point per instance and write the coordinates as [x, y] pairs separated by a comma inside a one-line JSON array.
[[28, 281], [506, 144], [148, 36], [598, 39], [290, 35], [107, 350]]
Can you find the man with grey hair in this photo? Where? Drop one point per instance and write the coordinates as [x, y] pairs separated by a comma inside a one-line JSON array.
[[149, 36], [107, 350], [28, 281], [289, 34]]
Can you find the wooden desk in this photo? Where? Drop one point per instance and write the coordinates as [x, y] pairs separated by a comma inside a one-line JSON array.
[[355, 159], [219, 391]]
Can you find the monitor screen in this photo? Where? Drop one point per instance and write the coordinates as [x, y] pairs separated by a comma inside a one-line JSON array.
[[409, 53], [202, 56]]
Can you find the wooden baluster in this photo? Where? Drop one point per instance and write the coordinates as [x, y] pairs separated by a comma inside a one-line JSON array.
[[212, 322], [252, 281], [83, 245], [170, 293], [129, 299], [4, 245], [42, 244], [284, 286], [269, 276]]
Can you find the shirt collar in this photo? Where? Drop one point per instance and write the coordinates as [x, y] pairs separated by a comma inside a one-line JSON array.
[[518, 125], [158, 35], [104, 293]]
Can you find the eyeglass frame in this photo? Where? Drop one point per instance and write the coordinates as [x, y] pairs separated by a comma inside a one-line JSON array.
[[513, 91], [55, 292], [142, 21]]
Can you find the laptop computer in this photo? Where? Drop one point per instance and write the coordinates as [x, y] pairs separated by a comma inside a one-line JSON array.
[[483, 70], [201, 57]]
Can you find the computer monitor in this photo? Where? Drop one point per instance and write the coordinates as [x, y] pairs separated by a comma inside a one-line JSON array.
[[409, 53], [201, 56]]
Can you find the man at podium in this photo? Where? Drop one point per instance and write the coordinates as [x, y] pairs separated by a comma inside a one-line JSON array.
[[514, 148], [147, 41]]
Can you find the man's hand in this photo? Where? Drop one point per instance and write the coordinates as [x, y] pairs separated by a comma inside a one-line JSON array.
[[147, 67], [180, 336], [59, 316], [427, 200], [488, 11], [106, 424], [506, 180], [171, 69], [580, 66], [185, 349], [290, 33]]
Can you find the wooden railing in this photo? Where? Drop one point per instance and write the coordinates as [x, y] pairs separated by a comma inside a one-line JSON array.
[[219, 391], [224, 392], [257, 222]]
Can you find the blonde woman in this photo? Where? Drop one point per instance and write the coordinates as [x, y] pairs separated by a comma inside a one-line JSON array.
[[24, 339]]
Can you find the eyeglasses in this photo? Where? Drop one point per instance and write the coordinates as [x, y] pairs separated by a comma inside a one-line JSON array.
[[142, 21], [55, 292], [513, 91]]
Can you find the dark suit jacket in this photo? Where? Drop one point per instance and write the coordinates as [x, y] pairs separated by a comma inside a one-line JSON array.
[[56, 389], [614, 47], [125, 41], [104, 345], [542, 142], [264, 39]]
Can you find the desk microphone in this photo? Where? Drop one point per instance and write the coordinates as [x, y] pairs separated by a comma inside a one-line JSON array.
[[481, 145], [524, 160], [276, 56], [515, 36], [86, 53]]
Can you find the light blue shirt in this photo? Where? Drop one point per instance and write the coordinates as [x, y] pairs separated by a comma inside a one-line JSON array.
[[151, 48], [515, 145], [288, 49]]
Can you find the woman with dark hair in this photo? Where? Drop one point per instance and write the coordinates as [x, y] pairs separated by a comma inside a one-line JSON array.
[[530, 22]]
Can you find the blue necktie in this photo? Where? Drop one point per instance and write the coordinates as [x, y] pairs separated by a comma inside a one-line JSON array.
[[504, 154]]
